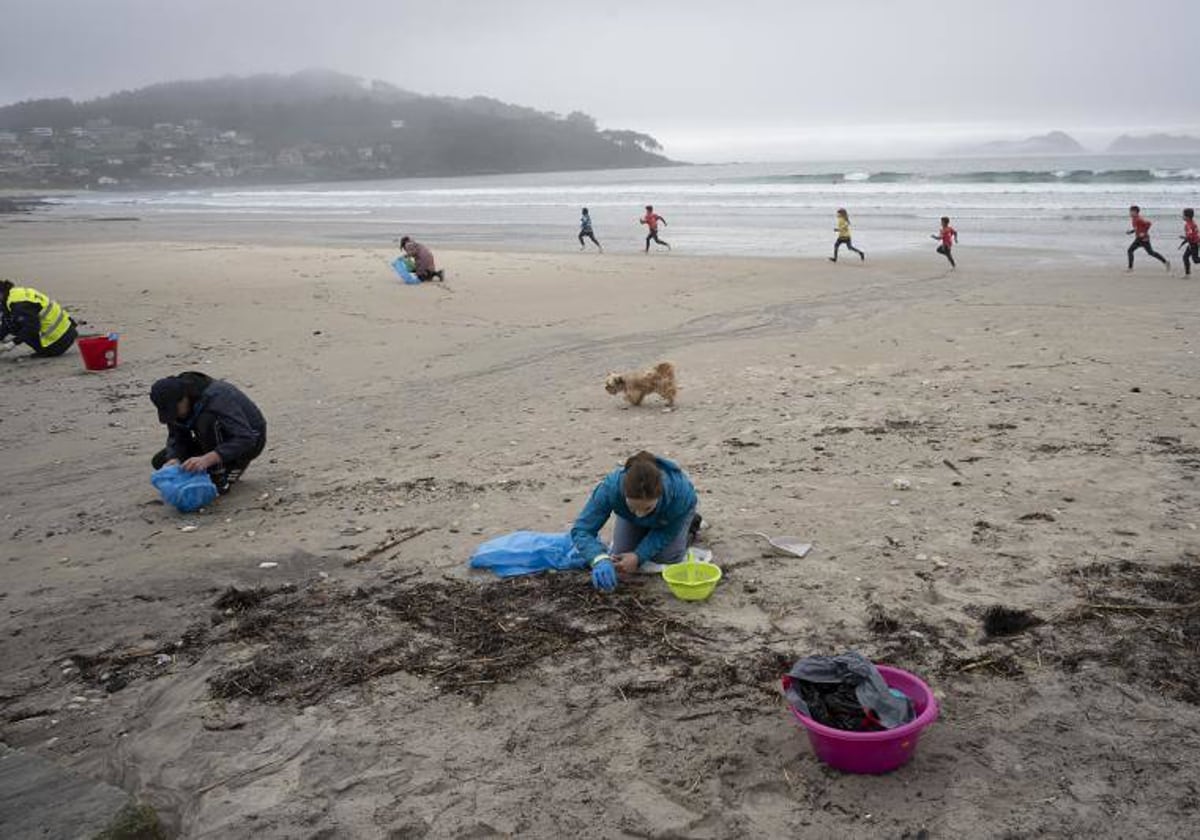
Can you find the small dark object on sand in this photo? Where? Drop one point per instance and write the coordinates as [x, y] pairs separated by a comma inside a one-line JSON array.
[[879, 622], [1002, 621], [240, 600]]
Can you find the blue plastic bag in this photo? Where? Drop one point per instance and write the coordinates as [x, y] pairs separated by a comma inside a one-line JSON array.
[[188, 492], [527, 553], [401, 268]]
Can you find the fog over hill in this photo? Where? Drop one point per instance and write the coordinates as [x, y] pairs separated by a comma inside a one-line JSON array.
[[311, 125]]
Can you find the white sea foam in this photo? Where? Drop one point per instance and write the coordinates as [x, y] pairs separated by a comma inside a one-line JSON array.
[[770, 209]]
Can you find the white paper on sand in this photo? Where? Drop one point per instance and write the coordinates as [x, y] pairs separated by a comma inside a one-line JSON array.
[[788, 545], [791, 545]]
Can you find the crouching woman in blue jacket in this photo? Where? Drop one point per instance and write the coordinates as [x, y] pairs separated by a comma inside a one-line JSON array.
[[654, 501]]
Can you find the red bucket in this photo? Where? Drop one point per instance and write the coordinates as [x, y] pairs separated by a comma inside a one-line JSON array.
[[99, 352]]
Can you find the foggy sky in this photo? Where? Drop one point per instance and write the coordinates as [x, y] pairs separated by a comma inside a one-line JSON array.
[[750, 78]]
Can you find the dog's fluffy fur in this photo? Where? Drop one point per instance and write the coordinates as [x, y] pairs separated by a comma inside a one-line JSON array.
[[660, 380]]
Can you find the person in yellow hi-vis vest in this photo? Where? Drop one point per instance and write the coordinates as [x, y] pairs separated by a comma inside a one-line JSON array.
[[34, 319]]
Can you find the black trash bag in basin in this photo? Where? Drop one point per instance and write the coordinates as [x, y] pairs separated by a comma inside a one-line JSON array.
[[845, 692]]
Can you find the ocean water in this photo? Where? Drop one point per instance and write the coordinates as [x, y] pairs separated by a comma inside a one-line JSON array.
[[1076, 204]]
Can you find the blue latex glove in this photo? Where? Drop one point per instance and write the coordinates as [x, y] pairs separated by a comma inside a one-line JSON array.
[[604, 576]]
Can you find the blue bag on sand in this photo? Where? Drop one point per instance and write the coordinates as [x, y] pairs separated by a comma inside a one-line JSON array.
[[401, 268], [188, 492], [527, 553]]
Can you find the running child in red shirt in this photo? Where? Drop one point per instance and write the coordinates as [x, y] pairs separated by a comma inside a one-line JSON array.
[[1191, 241], [652, 219], [949, 237], [1141, 237]]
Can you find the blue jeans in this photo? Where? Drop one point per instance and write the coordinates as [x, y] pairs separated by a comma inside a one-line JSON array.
[[627, 537]]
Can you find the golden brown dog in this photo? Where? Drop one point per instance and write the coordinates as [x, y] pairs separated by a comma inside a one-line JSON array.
[[660, 380]]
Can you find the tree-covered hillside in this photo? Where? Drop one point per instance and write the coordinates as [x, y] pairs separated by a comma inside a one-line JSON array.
[[307, 125]]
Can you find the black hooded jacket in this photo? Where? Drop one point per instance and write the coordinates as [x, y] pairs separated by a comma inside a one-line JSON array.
[[223, 420]]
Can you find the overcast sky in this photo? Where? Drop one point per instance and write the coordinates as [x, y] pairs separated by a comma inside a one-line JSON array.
[[737, 78]]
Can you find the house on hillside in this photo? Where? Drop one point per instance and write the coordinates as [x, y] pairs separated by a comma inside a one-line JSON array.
[[291, 156]]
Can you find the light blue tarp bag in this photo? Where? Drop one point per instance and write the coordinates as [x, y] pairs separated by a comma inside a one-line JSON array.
[[527, 553], [188, 492], [401, 268]]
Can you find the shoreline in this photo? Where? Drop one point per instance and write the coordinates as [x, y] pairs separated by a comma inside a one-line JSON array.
[[22, 203], [52, 222]]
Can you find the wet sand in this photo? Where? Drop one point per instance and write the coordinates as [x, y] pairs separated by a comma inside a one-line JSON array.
[[1043, 411]]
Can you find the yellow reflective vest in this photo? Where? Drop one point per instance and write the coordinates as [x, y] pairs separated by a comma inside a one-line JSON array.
[[55, 321]]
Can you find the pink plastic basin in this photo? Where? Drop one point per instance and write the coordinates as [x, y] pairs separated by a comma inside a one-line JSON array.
[[874, 752]]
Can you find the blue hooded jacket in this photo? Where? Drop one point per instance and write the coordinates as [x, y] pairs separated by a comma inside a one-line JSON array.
[[670, 517]]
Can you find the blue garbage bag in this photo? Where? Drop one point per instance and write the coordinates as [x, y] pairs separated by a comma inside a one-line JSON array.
[[527, 553], [402, 269], [186, 491]]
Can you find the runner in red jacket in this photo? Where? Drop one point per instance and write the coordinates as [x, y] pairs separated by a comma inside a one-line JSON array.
[[1141, 237], [651, 219], [949, 237]]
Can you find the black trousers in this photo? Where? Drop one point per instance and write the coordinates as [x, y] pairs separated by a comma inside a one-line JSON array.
[[849, 245], [589, 235], [652, 236], [59, 347], [224, 476], [945, 252], [1144, 244], [1191, 254]]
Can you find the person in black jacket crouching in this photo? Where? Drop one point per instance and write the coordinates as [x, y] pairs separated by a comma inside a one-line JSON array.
[[211, 426]]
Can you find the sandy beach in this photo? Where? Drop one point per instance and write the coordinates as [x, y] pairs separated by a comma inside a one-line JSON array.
[[1044, 411]]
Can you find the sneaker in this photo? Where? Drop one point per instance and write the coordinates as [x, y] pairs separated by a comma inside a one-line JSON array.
[[862, 257], [833, 259], [225, 479]]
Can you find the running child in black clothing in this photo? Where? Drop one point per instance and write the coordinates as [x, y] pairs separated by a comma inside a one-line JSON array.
[[843, 236], [1191, 241], [1141, 237], [949, 237], [585, 229]]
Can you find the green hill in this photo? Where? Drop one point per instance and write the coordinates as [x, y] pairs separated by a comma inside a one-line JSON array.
[[314, 124]]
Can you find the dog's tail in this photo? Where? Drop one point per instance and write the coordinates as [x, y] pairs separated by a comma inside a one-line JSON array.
[[664, 369]]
